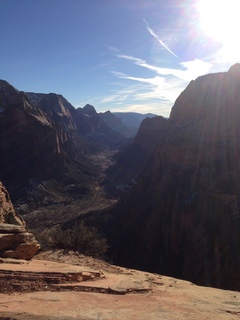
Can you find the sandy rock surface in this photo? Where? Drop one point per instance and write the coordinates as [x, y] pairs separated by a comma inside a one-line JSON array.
[[108, 293]]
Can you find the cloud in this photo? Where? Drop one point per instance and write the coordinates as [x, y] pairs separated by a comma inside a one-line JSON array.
[[155, 88], [159, 40], [162, 109], [110, 48], [158, 91], [167, 83], [192, 69]]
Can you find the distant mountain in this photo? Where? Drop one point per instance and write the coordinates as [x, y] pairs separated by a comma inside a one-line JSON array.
[[116, 124], [43, 137], [29, 141], [181, 217], [133, 119], [91, 125], [80, 122], [61, 113]]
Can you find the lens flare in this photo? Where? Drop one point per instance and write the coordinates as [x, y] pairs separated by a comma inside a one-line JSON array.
[[220, 20]]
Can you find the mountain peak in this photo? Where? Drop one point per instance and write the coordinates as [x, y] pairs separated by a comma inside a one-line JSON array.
[[234, 69], [89, 109]]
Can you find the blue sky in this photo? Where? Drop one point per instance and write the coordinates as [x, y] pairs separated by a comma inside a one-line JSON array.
[[118, 55]]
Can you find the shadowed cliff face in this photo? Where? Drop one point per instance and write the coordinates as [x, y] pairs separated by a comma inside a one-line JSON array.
[[183, 216], [61, 113], [134, 159], [92, 127], [29, 141], [39, 141], [43, 137]]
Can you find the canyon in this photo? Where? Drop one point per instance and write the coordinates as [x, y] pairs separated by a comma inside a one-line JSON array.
[[166, 201]]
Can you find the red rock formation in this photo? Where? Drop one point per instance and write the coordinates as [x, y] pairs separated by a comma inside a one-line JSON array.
[[15, 241]]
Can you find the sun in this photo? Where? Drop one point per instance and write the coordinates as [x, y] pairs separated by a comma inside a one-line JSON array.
[[220, 20]]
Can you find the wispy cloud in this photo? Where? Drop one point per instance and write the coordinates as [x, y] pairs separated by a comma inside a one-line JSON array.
[[159, 40], [190, 70], [111, 48], [144, 108], [157, 92]]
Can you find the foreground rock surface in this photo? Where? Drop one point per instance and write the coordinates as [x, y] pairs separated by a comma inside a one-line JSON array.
[[115, 293], [15, 241]]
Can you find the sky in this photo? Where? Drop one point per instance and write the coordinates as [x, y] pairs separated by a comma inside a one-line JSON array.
[[117, 55]]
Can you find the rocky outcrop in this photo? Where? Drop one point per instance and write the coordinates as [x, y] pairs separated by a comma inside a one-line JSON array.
[[62, 115], [182, 218], [91, 126], [40, 141], [116, 124], [41, 289], [7, 213], [76, 124], [15, 241], [29, 140]]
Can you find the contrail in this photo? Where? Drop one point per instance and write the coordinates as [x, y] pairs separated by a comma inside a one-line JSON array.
[[159, 40]]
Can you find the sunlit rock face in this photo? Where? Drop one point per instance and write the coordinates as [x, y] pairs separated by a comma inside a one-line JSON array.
[[182, 218], [61, 113], [15, 241]]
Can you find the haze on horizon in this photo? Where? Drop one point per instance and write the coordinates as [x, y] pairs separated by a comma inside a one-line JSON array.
[[116, 55]]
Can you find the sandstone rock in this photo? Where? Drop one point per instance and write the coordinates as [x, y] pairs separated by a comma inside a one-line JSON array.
[[48, 290], [7, 213], [15, 241]]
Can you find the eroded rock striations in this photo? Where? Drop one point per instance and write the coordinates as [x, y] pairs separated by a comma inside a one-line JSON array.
[[31, 144], [44, 138], [182, 218], [15, 241]]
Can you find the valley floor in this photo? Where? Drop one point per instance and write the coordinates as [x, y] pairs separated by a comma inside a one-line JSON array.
[[59, 206]]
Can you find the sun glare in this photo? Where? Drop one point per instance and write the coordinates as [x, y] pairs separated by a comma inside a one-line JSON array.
[[220, 20]]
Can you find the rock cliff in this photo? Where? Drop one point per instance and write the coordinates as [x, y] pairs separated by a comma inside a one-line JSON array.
[[29, 140], [61, 113], [117, 125], [91, 126], [44, 138], [15, 241], [135, 158], [182, 218]]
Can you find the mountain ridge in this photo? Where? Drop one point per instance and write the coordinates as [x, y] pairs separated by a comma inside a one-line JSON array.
[[181, 217], [179, 181]]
